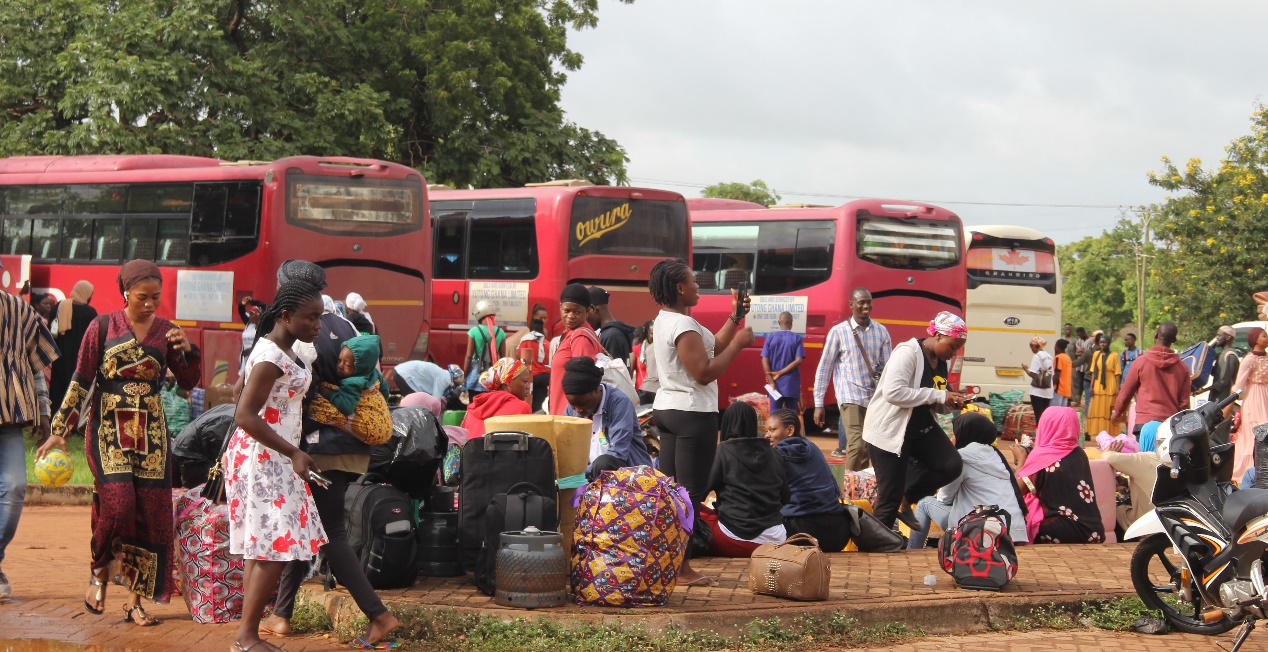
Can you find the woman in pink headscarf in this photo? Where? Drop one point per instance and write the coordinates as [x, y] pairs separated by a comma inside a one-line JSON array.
[[1056, 481]]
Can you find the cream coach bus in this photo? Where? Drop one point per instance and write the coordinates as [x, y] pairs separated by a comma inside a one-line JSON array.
[[1014, 294]]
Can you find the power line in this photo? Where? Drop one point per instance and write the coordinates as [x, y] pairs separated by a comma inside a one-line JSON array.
[[683, 184]]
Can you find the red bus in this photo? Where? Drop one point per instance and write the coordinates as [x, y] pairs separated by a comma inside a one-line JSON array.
[[520, 246], [219, 230], [806, 260]]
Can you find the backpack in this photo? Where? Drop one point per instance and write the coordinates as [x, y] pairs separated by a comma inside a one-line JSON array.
[[978, 552], [381, 530], [522, 505]]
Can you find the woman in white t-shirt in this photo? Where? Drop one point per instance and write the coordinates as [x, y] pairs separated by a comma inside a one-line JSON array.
[[686, 405], [1040, 364]]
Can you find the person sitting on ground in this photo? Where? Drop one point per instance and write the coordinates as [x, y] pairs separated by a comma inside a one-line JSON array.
[[358, 372], [748, 478], [616, 441], [987, 479], [1141, 469], [508, 386], [814, 505], [1056, 481]]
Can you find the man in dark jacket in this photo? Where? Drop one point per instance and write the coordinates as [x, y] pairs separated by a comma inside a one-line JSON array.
[[616, 336], [1223, 376], [1158, 380]]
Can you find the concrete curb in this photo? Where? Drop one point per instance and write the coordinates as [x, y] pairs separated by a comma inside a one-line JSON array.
[[38, 495], [990, 612]]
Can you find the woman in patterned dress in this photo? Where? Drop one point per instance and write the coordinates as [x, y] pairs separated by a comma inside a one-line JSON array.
[[272, 518], [1056, 482], [127, 353]]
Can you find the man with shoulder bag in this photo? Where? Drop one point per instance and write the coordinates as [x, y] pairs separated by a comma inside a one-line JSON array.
[[854, 354], [1040, 372]]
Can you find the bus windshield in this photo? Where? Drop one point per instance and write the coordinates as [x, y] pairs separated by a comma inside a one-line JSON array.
[[620, 226], [905, 243], [788, 255], [372, 207]]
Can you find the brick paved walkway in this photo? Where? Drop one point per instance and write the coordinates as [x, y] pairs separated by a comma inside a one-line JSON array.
[[46, 564]]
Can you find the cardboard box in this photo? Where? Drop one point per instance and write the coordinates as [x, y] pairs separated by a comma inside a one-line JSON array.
[[569, 437]]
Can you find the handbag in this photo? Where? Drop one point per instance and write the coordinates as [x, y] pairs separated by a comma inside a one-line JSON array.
[[1043, 379], [795, 569], [215, 487], [871, 535]]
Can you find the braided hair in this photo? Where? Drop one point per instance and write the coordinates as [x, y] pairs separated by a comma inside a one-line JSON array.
[[664, 279], [290, 296], [788, 418]]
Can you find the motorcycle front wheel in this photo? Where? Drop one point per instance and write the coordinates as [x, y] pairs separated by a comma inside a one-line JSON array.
[[1155, 576]]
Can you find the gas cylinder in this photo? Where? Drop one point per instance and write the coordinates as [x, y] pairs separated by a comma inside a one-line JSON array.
[[438, 536], [532, 570]]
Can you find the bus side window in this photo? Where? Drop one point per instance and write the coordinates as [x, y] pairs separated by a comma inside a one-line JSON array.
[[17, 236], [173, 241], [142, 237], [107, 239], [76, 239], [44, 238], [503, 240], [451, 244]]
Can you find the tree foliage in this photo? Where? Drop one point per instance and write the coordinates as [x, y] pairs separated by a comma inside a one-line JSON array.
[[1213, 236], [757, 192], [466, 90], [1099, 290]]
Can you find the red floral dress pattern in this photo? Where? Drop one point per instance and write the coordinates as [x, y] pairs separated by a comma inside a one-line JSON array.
[[271, 512]]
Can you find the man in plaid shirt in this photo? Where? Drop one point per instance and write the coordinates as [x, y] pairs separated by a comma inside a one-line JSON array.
[[852, 382]]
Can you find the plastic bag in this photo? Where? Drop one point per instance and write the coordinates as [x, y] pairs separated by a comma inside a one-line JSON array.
[[410, 459]]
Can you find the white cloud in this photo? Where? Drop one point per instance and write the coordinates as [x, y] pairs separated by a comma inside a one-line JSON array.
[[1018, 102]]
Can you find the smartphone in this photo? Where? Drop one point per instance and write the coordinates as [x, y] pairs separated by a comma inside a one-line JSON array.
[[319, 479], [741, 293]]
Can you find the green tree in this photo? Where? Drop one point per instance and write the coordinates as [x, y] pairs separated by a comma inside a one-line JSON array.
[[1099, 289], [756, 192], [467, 91], [1213, 236]]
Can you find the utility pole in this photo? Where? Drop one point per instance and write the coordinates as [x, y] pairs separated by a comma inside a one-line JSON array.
[[1142, 269]]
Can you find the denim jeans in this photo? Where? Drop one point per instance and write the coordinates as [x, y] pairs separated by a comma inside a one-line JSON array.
[[927, 512], [12, 482]]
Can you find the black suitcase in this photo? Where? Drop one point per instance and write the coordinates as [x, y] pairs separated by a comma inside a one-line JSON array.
[[381, 531], [491, 465]]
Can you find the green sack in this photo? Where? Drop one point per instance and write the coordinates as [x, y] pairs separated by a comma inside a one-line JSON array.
[[1001, 402]]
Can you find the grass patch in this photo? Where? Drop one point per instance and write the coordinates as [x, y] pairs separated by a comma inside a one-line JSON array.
[[1049, 616], [437, 630], [309, 617], [74, 448], [1119, 614]]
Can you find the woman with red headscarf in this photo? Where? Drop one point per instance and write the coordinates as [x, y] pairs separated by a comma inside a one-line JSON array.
[[1056, 481], [509, 385], [1252, 379]]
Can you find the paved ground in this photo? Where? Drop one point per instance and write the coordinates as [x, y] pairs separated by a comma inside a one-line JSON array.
[[46, 565]]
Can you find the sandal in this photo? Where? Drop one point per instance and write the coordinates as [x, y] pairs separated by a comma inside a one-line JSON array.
[[703, 580], [361, 644], [142, 620], [237, 647], [99, 598]]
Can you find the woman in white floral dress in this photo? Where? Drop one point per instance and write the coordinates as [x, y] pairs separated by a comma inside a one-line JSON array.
[[1056, 481], [272, 519]]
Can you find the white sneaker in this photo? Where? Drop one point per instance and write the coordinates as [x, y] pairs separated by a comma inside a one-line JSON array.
[[5, 589]]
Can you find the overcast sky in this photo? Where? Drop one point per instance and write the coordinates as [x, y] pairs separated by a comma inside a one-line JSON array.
[[1008, 102]]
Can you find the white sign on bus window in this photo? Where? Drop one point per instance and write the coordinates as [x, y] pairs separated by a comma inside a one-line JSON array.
[[763, 314], [204, 296], [509, 298]]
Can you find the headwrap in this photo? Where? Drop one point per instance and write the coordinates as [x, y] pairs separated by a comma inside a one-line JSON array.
[[977, 428], [341, 310], [1039, 341], [456, 375], [581, 375], [327, 304], [1226, 331], [1056, 436], [301, 270], [739, 420], [424, 399], [356, 303], [948, 324], [1252, 336], [81, 293], [502, 372], [576, 293], [135, 271], [1149, 436]]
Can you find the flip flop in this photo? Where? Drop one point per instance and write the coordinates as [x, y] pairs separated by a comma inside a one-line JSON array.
[[361, 644], [700, 581]]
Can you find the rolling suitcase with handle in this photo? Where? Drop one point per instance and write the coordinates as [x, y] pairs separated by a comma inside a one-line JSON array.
[[492, 465]]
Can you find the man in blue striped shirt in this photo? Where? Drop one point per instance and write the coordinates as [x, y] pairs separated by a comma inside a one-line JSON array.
[[26, 348], [851, 369]]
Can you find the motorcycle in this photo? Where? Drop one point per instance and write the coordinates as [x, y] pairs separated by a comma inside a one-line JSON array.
[[1201, 559], [651, 434]]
